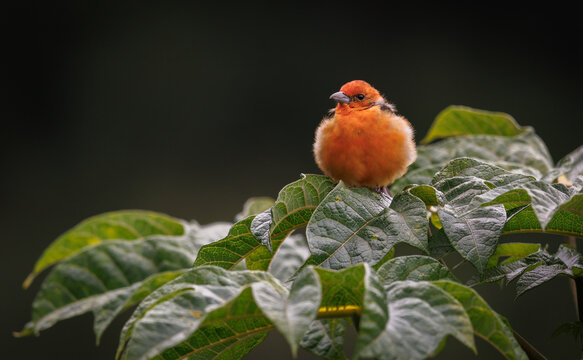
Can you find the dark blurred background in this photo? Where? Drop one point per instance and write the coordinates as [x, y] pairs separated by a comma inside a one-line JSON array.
[[189, 108]]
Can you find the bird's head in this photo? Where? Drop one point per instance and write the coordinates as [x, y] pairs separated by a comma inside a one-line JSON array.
[[357, 95]]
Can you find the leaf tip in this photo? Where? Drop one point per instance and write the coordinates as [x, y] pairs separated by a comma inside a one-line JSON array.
[[27, 331], [28, 281]]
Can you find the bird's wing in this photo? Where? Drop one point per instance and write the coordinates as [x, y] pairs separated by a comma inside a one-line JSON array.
[[387, 106]]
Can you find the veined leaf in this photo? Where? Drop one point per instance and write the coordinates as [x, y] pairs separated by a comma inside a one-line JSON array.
[[468, 184], [292, 313], [207, 310], [549, 208], [325, 338], [439, 245], [257, 238], [292, 254], [119, 225], [570, 166], [525, 153], [568, 217], [512, 252], [486, 323], [459, 191], [544, 198], [292, 209], [428, 194], [260, 228], [112, 276], [495, 175], [344, 231], [239, 244], [462, 120], [419, 175], [421, 315], [355, 290], [413, 267], [228, 332], [374, 314], [474, 235], [537, 268], [355, 225], [108, 278], [295, 204]]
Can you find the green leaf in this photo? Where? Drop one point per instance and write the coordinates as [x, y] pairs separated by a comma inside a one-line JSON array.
[[239, 244], [474, 235], [525, 153], [374, 314], [547, 207], [356, 290], [522, 220], [292, 313], [207, 310], [570, 166], [462, 120], [413, 267], [295, 204], [420, 175], [292, 210], [544, 198], [108, 278], [254, 206], [407, 217], [439, 245], [469, 184], [428, 194], [292, 254], [260, 228], [485, 322], [513, 252], [459, 191], [389, 256], [421, 315], [222, 335], [495, 175], [354, 225], [568, 217], [537, 268], [201, 235], [566, 220], [538, 276], [257, 238], [325, 338], [119, 225]]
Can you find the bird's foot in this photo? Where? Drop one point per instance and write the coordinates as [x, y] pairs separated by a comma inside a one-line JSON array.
[[383, 190]]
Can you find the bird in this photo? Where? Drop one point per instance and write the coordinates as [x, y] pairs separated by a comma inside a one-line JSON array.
[[362, 141]]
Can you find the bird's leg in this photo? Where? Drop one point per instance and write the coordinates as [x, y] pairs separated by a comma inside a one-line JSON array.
[[383, 190]]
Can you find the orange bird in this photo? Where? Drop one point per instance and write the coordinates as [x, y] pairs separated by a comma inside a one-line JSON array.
[[363, 142]]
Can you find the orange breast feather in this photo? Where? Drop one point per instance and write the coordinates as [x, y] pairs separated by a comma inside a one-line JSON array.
[[369, 147]]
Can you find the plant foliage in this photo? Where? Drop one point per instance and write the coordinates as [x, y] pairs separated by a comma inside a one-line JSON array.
[[216, 290]]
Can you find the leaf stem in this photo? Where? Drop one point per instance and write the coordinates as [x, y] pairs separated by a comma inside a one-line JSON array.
[[576, 285], [531, 351], [338, 311]]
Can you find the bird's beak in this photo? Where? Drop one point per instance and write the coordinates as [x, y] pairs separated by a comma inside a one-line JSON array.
[[340, 97]]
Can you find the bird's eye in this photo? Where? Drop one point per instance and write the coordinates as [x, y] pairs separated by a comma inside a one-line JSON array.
[[360, 96]]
